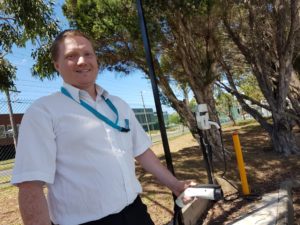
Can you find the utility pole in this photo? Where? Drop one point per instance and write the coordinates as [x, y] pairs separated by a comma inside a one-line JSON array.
[[147, 122], [11, 118]]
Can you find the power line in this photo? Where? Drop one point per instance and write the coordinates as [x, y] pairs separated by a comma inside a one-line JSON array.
[[39, 87]]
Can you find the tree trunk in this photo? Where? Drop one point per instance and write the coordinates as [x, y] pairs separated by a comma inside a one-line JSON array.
[[283, 139], [294, 96]]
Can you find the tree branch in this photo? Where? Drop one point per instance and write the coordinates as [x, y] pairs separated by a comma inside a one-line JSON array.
[[237, 40], [7, 18], [255, 60], [244, 97], [292, 30], [253, 112], [241, 99]]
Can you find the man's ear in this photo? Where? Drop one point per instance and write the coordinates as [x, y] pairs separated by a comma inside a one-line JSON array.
[[56, 66]]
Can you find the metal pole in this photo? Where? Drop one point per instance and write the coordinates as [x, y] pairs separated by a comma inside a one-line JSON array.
[[207, 161], [152, 76], [146, 117], [11, 117], [154, 87]]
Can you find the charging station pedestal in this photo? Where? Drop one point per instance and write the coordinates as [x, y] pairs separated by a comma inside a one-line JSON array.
[[194, 210]]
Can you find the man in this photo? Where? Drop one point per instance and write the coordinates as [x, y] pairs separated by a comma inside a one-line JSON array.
[[81, 142]]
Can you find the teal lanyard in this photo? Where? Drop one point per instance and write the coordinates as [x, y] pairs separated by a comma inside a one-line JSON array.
[[99, 115]]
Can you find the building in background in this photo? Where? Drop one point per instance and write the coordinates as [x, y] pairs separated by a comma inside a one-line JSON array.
[[7, 148], [148, 118]]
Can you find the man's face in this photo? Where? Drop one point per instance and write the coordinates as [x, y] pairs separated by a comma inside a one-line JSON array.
[[76, 62]]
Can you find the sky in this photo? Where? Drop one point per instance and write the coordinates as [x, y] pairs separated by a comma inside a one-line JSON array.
[[130, 88]]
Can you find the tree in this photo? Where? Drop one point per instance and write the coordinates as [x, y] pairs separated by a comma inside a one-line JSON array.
[[265, 34], [7, 75], [225, 105], [294, 93], [182, 40], [21, 21], [174, 118]]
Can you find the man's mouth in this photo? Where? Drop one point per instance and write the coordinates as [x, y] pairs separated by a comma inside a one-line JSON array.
[[83, 71]]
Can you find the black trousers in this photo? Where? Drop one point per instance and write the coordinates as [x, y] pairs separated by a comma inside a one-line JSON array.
[[133, 214]]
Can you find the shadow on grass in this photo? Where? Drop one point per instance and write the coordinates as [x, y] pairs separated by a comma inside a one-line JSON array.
[[150, 196]]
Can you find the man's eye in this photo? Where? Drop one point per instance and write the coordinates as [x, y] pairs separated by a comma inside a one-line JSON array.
[[70, 56], [88, 54]]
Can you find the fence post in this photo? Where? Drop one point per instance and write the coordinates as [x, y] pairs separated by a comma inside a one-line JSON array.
[[11, 117]]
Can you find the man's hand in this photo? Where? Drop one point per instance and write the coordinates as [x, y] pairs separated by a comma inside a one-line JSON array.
[[182, 185]]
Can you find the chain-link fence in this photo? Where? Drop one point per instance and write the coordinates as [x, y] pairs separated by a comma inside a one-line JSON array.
[[7, 147]]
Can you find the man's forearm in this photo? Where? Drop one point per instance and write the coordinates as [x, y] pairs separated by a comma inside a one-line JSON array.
[[151, 163], [33, 204]]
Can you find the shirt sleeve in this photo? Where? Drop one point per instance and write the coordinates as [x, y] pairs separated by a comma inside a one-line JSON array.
[[36, 148]]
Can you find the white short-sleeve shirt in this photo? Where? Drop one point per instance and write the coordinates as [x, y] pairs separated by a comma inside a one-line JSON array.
[[88, 165]]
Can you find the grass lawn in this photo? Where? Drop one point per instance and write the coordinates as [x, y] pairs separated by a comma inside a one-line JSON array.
[[7, 164]]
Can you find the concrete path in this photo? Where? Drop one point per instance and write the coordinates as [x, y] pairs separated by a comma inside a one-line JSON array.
[[273, 209], [262, 213]]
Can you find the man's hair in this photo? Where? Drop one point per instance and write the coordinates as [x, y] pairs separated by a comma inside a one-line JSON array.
[[54, 50]]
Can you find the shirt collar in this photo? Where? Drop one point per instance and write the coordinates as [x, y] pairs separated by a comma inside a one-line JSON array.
[[76, 93]]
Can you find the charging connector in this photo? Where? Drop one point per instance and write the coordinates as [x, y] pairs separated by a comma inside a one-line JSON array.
[[207, 191]]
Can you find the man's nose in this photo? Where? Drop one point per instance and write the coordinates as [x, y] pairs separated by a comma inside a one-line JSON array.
[[81, 60]]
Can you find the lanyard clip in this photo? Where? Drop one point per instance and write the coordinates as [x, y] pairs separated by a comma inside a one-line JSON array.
[[126, 128]]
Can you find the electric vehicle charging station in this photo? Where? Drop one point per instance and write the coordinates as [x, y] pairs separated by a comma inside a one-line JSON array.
[[202, 118], [203, 125], [209, 191]]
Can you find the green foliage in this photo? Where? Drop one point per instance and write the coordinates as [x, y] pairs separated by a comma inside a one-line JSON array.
[[43, 68], [225, 103], [114, 27], [193, 104], [249, 86], [26, 20], [7, 74], [174, 118], [164, 99]]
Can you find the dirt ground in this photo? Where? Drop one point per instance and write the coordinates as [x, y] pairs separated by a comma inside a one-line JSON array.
[[265, 170]]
